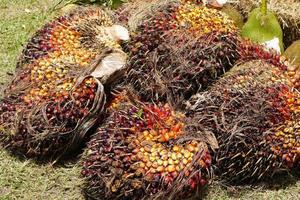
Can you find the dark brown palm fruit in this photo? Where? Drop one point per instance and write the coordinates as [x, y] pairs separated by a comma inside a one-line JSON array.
[[287, 12], [179, 50], [53, 101], [254, 113], [144, 151]]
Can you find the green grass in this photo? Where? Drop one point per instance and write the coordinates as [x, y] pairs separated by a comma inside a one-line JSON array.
[[25, 179]]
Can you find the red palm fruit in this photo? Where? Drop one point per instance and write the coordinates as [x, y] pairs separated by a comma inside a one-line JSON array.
[[135, 163]]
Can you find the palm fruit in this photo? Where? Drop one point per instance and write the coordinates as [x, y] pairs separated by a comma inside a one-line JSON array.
[[249, 51], [67, 36], [144, 151], [53, 125], [53, 100], [293, 53], [263, 27], [254, 113], [287, 12], [180, 50]]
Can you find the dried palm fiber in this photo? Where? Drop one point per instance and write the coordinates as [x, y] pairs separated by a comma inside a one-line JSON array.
[[145, 151], [53, 100], [132, 12], [254, 112], [287, 12], [179, 49]]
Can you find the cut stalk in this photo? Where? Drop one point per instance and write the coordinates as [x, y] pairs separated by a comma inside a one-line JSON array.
[[264, 7]]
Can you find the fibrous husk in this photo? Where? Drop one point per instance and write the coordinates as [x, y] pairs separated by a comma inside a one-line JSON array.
[[178, 50], [53, 100], [145, 151], [287, 12], [254, 113]]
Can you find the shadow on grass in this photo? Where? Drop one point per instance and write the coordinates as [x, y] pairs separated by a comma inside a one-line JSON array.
[[279, 181], [71, 157]]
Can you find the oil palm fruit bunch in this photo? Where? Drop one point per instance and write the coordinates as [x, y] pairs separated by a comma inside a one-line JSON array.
[[254, 113], [55, 97], [263, 27], [179, 50], [287, 12], [145, 151], [293, 53]]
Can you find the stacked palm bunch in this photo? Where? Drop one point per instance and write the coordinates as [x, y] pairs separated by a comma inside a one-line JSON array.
[[54, 100], [287, 12], [254, 112], [177, 49], [143, 151]]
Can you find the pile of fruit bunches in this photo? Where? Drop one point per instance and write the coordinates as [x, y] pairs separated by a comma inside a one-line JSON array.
[[254, 112], [179, 51], [144, 150]]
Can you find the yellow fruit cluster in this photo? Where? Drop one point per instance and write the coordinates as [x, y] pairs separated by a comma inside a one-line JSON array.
[[155, 158], [291, 76], [286, 142], [203, 20]]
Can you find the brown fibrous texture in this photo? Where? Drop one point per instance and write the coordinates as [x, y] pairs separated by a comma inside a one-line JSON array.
[[254, 113], [179, 50]]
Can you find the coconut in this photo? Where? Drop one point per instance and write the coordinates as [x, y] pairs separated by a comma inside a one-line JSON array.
[[254, 113], [145, 151], [178, 50], [263, 27], [55, 97], [287, 12]]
